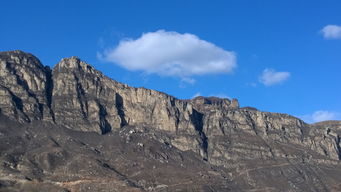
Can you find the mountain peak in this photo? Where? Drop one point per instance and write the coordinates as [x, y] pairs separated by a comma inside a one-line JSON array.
[[73, 63], [18, 57], [64, 107], [15, 52]]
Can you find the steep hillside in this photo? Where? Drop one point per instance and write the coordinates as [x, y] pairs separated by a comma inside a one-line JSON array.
[[72, 128]]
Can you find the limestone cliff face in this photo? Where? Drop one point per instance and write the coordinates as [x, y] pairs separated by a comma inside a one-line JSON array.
[[79, 97], [82, 99], [25, 87]]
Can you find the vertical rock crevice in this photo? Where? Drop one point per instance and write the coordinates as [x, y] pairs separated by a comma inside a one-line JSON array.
[[120, 109], [23, 83], [104, 124], [337, 146], [49, 91], [197, 120], [19, 107], [81, 97]]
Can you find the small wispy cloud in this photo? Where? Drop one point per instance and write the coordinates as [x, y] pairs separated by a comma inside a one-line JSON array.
[[196, 95], [188, 80], [320, 115], [271, 77], [252, 84], [171, 54], [331, 32]]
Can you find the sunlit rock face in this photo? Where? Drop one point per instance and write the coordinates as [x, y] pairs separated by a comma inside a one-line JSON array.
[[76, 108], [24, 87]]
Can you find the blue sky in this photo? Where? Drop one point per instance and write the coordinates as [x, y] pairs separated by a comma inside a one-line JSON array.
[[279, 56]]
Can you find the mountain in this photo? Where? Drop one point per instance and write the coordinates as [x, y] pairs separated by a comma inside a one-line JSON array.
[[71, 128]]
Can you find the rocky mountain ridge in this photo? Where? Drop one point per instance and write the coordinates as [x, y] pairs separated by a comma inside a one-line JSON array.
[[75, 96]]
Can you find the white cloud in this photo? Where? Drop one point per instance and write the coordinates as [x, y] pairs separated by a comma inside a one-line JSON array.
[[171, 54], [331, 32], [321, 115], [196, 95], [271, 77], [188, 80], [252, 84]]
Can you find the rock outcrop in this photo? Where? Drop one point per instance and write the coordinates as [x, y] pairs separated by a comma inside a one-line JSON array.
[[25, 87], [76, 96], [79, 97], [82, 99]]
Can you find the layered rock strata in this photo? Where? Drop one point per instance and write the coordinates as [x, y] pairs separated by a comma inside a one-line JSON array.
[[79, 97]]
